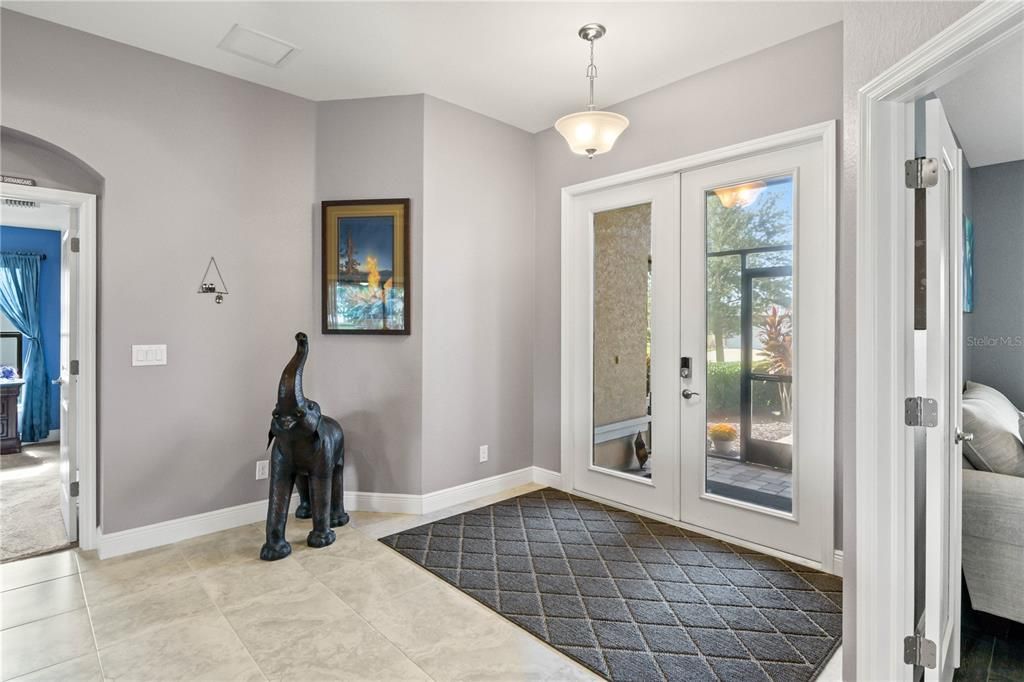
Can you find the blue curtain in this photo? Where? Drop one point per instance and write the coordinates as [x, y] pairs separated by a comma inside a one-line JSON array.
[[19, 301]]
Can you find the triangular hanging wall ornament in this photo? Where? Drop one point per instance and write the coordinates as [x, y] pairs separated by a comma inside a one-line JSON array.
[[207, 286]]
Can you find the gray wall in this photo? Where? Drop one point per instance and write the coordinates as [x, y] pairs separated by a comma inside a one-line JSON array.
[[29, 157], [995, 346], [371, 149], [793, 84], [477, 282], [195, 164]]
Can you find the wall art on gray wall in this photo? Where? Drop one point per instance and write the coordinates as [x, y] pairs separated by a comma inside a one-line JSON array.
[[968, 265], [366, 266]]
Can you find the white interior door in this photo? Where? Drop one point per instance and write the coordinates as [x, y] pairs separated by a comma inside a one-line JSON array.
[[757, 327], [943, 376], [624, 345], [67, 381]]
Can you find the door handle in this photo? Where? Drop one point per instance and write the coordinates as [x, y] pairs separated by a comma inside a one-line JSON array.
[[687, 393], [963, 436], [58, 381]]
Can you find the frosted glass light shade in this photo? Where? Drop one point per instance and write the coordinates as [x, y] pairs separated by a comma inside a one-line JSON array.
[[740, 195], [591, 132]]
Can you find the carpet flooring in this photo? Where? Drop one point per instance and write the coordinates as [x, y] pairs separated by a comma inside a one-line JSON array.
[[632, 598], [30, 517]]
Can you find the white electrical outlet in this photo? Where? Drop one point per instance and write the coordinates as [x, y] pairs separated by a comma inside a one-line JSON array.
[[483, 453], [262, 469]]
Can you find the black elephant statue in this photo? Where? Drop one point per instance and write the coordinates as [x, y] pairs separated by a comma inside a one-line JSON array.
[[308, 453]]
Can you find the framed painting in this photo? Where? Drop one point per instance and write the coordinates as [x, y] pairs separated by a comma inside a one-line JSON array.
[[366, 266], [968, 265]]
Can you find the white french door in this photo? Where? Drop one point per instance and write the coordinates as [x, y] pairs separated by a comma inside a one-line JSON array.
[[624, 345], [698, 324], [757, 329]]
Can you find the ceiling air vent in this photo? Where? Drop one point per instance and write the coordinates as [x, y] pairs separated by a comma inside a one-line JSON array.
[[21, 203], [257, 46]]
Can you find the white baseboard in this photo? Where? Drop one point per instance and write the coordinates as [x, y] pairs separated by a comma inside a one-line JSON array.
[[552, 479], [470, 491], [176, 530], [393, 503]]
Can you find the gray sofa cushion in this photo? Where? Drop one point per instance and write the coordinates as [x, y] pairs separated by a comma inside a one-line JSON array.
[[995, 422]]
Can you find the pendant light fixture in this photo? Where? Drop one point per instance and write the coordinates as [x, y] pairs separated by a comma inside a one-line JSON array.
[[740, 195], [591, 132]]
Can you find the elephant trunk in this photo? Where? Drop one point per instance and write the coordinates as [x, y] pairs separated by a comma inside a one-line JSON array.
[[289, 391]]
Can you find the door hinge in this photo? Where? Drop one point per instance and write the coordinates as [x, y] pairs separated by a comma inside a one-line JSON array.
[[919, 651], [76, 245], [921, 173], [73, 370], [74, 488], [920, 411]]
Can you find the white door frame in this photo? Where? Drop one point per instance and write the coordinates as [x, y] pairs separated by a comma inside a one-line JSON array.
[[882, 519], [85, 208], [572, 262]]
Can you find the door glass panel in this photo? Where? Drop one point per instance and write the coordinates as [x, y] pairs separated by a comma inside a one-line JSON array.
[[622, 340], [749, 266]]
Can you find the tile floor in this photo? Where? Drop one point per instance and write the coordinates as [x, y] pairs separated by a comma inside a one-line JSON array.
[[751, 476], [208, 609]]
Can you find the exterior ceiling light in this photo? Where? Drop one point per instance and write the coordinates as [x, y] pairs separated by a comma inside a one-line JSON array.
[[740, 195], [591, 132]]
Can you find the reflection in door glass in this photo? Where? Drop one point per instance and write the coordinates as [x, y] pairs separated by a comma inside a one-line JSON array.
[[749, 444], [622, 340]]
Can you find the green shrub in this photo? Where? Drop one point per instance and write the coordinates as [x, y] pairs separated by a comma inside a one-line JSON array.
[[723, 390]]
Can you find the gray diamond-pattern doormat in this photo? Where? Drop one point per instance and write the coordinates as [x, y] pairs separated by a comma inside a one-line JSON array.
[[632, 598]]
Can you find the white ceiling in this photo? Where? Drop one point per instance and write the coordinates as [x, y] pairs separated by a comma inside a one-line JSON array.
[[985, 106], [520, 62]]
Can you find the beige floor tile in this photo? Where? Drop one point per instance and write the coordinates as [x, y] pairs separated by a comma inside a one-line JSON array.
[[200, 648], [42, 600], [453, 637], [237, 584], [236, 545], [82, 669], [37, 569], [140, 612], [45, 642], [369, 576], [115, 578], [304, 632], [350, 545], [368, 523]]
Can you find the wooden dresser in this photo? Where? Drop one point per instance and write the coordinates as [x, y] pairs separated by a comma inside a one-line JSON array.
[[10, 439]]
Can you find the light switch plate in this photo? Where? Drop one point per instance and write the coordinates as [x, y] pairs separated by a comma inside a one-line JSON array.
[[143, 356]]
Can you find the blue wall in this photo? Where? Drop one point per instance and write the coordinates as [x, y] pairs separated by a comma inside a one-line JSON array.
[[48, 242]]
